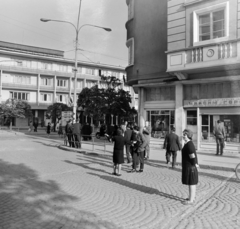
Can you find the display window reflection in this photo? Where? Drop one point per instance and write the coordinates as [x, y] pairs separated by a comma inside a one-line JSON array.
[[231, 125], [161, 122]]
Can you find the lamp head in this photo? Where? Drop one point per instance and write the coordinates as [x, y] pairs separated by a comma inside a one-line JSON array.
[[45, 19], [107, 29]]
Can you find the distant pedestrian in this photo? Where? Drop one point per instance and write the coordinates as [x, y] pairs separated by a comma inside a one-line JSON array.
[[146, 133], [189, 166], [60, 130], [118, 157], [139, 143], [68, 131], [48, 129], [30, 127], [35, 124], [128, 135], [172, 145], [219, 132], [77, 128]]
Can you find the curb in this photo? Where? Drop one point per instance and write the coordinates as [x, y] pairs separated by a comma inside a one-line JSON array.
[[211, 167]]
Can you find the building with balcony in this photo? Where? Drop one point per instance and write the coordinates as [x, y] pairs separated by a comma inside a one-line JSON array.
[[43, 76], [202, 80]]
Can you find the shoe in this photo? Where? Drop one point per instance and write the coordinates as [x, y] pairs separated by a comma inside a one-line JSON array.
[[140, 171], [217, 154], [114, 173], [187, 202], [132, 171], [118, 174]]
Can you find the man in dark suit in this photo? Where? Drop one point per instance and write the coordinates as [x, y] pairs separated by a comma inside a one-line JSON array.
[[172, 145], [127, 136], [77, 134]]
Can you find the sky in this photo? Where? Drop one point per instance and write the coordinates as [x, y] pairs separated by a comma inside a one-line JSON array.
[[20, 23]]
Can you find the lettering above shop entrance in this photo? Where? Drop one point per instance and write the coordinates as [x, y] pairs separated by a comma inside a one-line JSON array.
[[213, 102]]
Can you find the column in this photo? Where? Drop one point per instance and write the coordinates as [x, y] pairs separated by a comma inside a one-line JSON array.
[[55, 89], [116, 120], [38, 89], [36, 113], [198, 128], [84, 83], [111, 120], [141, 112], [86, 118], [180, 119]]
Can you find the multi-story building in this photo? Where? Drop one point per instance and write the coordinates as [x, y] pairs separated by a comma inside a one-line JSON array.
[[43, 76], [203, 40]]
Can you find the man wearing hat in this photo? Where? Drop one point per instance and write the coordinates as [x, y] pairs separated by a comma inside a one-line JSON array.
[[172, 145]]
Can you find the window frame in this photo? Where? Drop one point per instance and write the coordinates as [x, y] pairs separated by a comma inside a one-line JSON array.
[[222, 6], [130, 45], [19, 95], [48, 97]]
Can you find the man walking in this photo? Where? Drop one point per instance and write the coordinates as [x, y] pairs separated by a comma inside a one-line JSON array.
[[77, 134], [127, 136], [172, 145], [68, 131], [219, 132]]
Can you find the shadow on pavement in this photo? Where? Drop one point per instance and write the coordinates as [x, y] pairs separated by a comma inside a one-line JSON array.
[[85, 165], [140, 188], [28, 202]]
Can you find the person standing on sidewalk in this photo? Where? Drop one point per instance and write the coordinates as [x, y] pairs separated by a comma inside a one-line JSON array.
[[146, 133], [77, 128], [172, 145], [48, 129], [127, 136], [139, 143], [219, 132], [118, 157], [189, 166], [68, 131]]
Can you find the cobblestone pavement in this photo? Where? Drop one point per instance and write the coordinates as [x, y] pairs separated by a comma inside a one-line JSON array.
[[42, 186]]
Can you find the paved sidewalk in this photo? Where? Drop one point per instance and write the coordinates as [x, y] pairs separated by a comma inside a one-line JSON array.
[[206, 159], [44, 187]]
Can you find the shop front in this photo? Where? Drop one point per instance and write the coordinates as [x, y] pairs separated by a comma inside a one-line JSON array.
[[202, 116], [161, 122]]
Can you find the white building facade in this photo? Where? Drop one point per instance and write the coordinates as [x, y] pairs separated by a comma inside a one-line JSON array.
[[42, 77]]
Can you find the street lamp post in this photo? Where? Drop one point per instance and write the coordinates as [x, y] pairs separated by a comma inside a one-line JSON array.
[[77, 30]]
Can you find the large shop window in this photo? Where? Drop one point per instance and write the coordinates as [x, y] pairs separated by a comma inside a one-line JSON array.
[[161, 122], [230, 122]]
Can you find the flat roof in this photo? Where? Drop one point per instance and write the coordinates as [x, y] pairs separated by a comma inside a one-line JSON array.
[[28, 48]]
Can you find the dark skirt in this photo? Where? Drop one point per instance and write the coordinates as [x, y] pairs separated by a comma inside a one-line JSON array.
[[189, 175], [118, 157]]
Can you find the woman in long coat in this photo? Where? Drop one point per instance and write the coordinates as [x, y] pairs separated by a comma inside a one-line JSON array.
[[118, 157], [189, 166]]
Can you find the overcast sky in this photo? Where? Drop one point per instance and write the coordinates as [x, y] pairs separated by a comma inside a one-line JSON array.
[[20, 23]]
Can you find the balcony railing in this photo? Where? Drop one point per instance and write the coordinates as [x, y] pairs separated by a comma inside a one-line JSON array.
[[224, 51], [215, 54]]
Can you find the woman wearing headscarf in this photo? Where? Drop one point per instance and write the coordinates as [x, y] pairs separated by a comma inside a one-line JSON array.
[[189, 166]]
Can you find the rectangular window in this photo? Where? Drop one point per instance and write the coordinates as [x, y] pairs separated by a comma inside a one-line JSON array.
[[89, 71], [211, 23], [19, 95], [130, 45], [61, 83], [46, 81], [21, 79], [46, 97]]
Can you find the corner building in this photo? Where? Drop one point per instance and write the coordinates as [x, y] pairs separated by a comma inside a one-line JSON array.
[[201, 83]]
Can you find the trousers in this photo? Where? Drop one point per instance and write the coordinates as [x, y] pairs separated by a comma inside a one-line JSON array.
[[174, 157]]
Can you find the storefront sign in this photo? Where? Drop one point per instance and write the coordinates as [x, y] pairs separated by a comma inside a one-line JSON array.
[[66, 116], [227, 102]]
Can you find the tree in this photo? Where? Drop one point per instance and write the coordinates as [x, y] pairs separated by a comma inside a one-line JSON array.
[[54, 111], [111, 100], [14, 108]]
